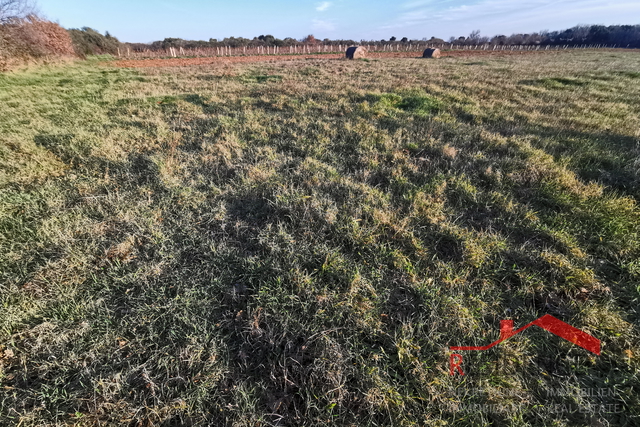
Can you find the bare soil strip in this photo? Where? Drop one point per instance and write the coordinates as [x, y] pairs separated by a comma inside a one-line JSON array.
[[182, 62]]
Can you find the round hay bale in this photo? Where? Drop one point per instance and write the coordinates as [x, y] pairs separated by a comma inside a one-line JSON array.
[[356, 52], [431, 53]]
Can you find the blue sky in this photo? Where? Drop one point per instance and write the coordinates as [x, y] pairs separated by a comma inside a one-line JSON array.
[[146, 20]]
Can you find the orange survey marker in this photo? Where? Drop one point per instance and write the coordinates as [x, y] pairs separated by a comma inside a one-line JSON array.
[[549, 323]]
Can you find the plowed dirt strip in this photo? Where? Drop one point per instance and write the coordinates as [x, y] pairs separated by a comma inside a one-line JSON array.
[[182, 62]]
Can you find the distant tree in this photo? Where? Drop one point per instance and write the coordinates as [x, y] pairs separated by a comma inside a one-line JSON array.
[[624, 35], [87, 41], [580, 32], [172, 42], [290, 41], [392, 39], [474, 37], [599, 34], [310, 39], [404, 40], [268, 40], [499, 40], [516, 39]]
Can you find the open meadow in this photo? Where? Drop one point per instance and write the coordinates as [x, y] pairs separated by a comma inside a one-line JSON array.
[[299, 242]]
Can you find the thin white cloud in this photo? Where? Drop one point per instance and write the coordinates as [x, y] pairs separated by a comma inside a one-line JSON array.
[[323, 6], [419, 3], [320, 25], [491, 12]]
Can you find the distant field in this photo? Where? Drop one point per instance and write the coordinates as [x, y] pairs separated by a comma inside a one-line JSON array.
[[300, 242], [188, 61]]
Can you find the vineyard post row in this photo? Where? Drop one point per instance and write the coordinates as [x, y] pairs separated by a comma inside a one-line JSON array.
[[302, 49]]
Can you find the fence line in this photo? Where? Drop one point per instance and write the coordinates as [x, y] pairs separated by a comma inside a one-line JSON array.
[[305, 49]]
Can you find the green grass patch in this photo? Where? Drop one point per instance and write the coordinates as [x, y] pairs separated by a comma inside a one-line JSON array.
[[559, 82], [414, 102], [629, 74], [260, 78]]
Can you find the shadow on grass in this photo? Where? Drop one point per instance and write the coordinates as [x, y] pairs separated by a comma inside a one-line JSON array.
[[66, 146], [604, 157]]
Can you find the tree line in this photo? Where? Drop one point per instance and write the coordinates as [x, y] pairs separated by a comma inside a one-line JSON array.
[[612, 35]]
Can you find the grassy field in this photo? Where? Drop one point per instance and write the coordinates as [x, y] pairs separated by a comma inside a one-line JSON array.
[[300, 242]]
